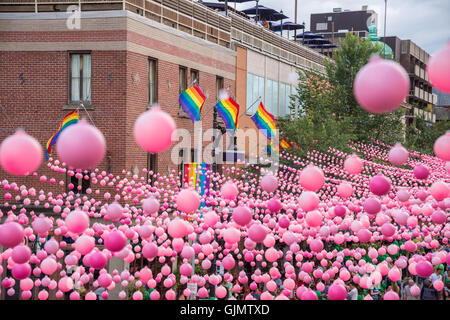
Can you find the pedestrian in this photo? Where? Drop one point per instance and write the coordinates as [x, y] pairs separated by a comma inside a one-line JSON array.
[[407, 295], [428, 292]]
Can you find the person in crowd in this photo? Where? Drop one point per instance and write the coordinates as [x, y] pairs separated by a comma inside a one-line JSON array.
[[257, 294], [352, 292], [407, 295], [428, 292], [437, 275], [265, 24]]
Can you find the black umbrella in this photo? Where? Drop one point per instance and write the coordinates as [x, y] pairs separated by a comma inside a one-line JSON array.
[[276, 17], [239, 1], [287, 26], [260, 11], [309, 35], [316, 41]]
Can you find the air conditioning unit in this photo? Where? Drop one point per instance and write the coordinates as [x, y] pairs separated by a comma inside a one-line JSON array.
[[337, 9]]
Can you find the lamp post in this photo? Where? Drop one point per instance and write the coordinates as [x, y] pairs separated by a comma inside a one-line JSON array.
[[281, 26], [384, 42]]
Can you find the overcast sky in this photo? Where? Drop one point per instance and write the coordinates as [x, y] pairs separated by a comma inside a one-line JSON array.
[[426, 22]]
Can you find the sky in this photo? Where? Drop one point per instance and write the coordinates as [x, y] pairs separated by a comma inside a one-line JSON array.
[[425, 22]]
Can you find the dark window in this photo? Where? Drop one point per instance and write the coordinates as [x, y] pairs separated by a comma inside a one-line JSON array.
[[152, 163], [194, 76], [80, 185], [182, 87], [80, 77], [152, 81]]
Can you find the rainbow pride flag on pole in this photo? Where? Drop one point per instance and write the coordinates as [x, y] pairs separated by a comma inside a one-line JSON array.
[[192, 100], [197, 173], [284, 144], [264, 121], [228, 110], [70, 118]]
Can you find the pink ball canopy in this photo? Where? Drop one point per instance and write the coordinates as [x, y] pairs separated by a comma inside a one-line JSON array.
[[20, 154], [337, 292], [81, 146], [229, 191], [421, 172], [77, 221], [115, 241], [424, 269], [381, 85], [438, 69], [150, 205], [242, 215], [154, 130]]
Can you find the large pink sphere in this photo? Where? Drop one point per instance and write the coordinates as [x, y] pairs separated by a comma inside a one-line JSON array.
[[11, 234], [421, 172], [48, 266], [231, 235], [77, 221], [154, 130], [438, 69], [81, 146], [150, 250], [398, 155], [65, 284], [372, 206], [379, 185], [242, 215], [20, 154], [188, 201], [440, 190], [257, 233], [391, 295], [21, 271], [424, 269], [41, 225], [353, 164], [269, 183], [337, 292], [150, 205], [115, 241], [345, 190], [20, 253], [381, 85], [114, 211], [177, 228], [314, 218], [84, 244], [308, 201], [316, 245], [312, 178], [97, 260], [229, 191], [442, 146]]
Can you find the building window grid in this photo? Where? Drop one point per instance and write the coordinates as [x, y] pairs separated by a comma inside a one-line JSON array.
[[152, 81], [182, 80], [80, 65]]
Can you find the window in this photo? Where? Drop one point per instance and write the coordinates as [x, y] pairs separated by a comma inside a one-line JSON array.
[[194, 76], [285, 100], [152, 81], [255, 89], [322, 26], [80, 77], [152, 164], [271, 101], [80, 184], [182, 87], [219, 87], [330, 18]]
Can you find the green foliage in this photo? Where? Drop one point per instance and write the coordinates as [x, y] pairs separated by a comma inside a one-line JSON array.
[[421, 137]]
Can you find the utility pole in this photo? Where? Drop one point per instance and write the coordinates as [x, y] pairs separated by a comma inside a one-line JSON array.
[[384, 42], [295, 20]]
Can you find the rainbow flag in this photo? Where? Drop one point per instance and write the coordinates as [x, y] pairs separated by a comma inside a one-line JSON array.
[[193, 170], [70, 118], [228, 110], [264, 121], [284, 144], [192, 100]]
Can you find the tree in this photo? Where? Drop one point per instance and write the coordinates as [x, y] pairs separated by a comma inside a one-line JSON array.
[[421, 135]]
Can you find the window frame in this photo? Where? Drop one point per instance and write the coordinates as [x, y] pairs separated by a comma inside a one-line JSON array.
[[154, 82], [181, 112], [70, 53]]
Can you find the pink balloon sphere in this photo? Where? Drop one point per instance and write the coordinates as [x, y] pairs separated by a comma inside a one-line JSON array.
[[314, 218], [242, 215], [381, 86], [114, 211], [421, 172], [337, 292], [379, 185], [11, 234], [221, 292], [97, 260], [77, 221], [398, 155], [345, 190], [150, 205], [257, 233], [154, 130], [424, 269], [81, 146], [21, 271], [391, 295], [20, 154], [115, 241], [177, 228], [312, 178], [440, 190], [308, 201], [269, 183], [438, 69], [188, 201], [353, 164], [84, 244], [229, 191], [150, 250]]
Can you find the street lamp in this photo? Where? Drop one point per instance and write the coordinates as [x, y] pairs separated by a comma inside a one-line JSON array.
[[384, 42]]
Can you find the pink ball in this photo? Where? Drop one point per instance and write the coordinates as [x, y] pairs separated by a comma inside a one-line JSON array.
[[242, 215], [438, 285], [312, 178], [150, 205], [339, 211], [379, 185], [84, 244], [271, 254], [274, 205], [415, 290], [398, 155], [11, 234], [269, 183], [424, 269], [21, 271], [229, 191], [309, 295], [308, 201], [21, 254], [177, 228], [138, 295], [221, 292], [388, 229], [104, 280], [337, 292], [257, 233], [114, 211], [438, 69], [364, 235], [439, 217], [391, 295], [150, 250], [188, 201], [97, 260], [77, 221], [65, 284], [421, 172], [20, 154], [154, 130], [316, 245], [381, 86], [115, 241], [403, 195], [353, 164], [41, 225], [345, 190], [48, 266], [186, 269], [81, 146], [314, 218], [440, 190]]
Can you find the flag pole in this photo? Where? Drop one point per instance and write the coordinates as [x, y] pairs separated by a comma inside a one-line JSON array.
[[246, 109], [171, 108], [7, 117], [209, 110]]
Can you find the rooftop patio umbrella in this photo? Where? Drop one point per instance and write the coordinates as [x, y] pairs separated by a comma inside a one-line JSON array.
[[316, 41], [260, 12], [309, 35], [214, 5], [288, 25], [238, 1]]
